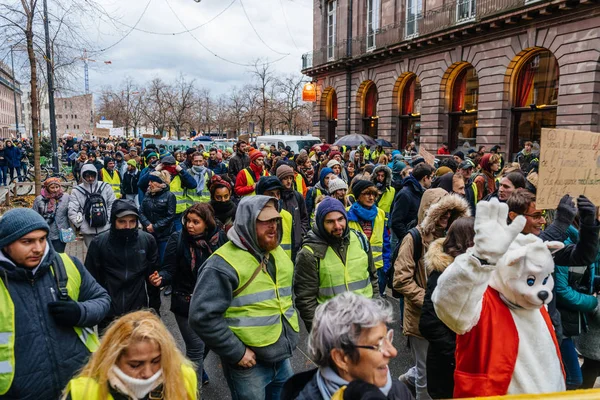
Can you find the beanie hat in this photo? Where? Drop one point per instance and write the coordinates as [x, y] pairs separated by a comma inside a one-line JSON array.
[[283, 171], [416, 161], [331, 163], [442, 171], [160, 177], [168, 160], [334, 153], [329, 204], [460, 155], [151, 154], [132, 163], [268, 183], [360, 186], [337, 184], [18, 222], [254, 154], [190, 151]]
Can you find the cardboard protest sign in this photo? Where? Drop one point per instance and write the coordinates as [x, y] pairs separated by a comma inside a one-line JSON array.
[[427, 156], [101, 132], [569, 164], [171, 144]]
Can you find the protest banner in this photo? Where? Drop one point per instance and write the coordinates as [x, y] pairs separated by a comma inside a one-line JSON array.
[[569, 164], [171, 144], [427, 156], [101, 133]]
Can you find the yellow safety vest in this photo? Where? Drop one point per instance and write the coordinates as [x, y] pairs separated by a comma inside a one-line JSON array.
[[250, 179], [386, 200], [316, 194], [84, 388], [193, 197], [114, 181], [336, 277], [299, 184], [255, 314], [180, 196], [376, 240], [287, 223], [7, 325]]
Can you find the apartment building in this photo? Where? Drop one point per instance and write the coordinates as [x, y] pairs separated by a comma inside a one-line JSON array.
[[7, 103], [74, 115]]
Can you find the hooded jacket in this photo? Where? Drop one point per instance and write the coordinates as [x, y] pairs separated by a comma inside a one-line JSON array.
[[77, 201], [293, 202], [385, 188], [213, 294], [442, 340], [406, 206], [306, 273], [122, 263], [47, 354], [237, 163], [311, 196], [410, 279], [158, 210]]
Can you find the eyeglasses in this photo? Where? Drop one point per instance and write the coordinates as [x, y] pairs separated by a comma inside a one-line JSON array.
[[536, 216], [389, 337], [369, 194]]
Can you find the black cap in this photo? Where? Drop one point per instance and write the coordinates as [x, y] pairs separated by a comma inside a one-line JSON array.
[[466, 164], [360, 186], [268, 183]]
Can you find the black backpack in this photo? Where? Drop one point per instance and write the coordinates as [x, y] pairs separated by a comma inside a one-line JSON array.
[[417, 252], [95, 212]]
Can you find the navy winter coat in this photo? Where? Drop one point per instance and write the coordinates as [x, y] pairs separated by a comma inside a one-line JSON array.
[[406, 206], [12, 155]]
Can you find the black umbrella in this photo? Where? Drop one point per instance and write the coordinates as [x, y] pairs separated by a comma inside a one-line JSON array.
[[383, 143], [355, 140]]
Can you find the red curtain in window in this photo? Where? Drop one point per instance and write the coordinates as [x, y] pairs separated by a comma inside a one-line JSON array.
[[334, 111], [525, 84], [408, 97], [371, 102], [459, 90]]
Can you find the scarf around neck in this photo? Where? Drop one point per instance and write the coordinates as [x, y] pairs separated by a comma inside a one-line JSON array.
[[363, 213], [199, 174], [136, 388], [52, 199], [202, 242], [329, 383]]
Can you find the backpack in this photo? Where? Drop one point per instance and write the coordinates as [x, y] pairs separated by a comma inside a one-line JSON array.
[[417, 252], [95, 212]]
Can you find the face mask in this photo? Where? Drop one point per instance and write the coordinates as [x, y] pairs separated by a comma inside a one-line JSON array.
[[124, 234], [197, 169], [221, 206], [154, 163]]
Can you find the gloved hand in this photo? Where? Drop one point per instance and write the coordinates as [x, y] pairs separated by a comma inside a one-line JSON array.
[[493, 235], [65, 313], [566, 210], [361, 390], [587, 211]]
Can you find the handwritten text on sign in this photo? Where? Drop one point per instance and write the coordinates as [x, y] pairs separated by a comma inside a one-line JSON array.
[[569, 164]]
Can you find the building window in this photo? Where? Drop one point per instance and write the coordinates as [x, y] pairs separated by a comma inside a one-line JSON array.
[[331, 110], [370, 117], [75, 116], [372, 22], [463, 108], [465, 11], [331, 28], [535, 90], [409, 124], [67, 126], [414, 11]]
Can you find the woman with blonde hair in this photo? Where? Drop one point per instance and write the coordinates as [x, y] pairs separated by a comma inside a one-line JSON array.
[[138, 359]]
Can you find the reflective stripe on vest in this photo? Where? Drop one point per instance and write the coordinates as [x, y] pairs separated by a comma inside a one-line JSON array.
[[336, 278], [287, 223], [299, 183], [475, 192], [179, 192], [254, 315], [114, 181], [316, 193], [192, 197], [84, 388], [376, 239], [250, 179], [7, 325], [387, 199]]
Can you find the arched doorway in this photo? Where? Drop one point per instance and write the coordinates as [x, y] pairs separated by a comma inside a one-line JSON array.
[[409, 119], [369, 115], [464, 95], [331, 111], [535, 97]]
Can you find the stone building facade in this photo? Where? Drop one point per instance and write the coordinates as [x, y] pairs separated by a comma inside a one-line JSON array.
[[466, 72], [74, 115], [7, 103]]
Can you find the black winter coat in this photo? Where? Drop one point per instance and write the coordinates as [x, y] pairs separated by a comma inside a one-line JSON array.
[[406, 207], [122, 266], [158, 210], [294, 203], [442, 341], [129, 182], [177, 269], [2, 159], [237, 163]]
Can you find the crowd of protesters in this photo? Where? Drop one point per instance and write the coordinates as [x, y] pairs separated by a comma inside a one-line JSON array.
[[250, 242]]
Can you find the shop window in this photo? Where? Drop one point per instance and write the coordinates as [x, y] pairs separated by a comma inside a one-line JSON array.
[[409, 124], [370, 117], [332, 116], [463, 108]]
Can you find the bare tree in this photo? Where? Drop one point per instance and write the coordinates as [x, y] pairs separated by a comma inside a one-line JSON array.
[[180, 100], [290, 104], [238, 108], [157, 108], [264, 78]]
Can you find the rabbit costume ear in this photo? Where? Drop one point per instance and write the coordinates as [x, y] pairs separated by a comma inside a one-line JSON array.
[[554, 246], [515, 256]]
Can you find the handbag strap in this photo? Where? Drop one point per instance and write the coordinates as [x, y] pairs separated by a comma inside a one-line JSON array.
[[249, 281]]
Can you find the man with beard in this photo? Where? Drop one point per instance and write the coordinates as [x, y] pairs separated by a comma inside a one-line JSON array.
[[202, 176], [332, 260], [122, 260], [214, 164], [242, 304], [240, 160]]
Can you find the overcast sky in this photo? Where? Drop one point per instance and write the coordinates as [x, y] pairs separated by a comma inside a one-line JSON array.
[[144, 56]]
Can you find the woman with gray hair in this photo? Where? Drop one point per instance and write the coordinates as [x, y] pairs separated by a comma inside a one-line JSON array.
[[349, 342]]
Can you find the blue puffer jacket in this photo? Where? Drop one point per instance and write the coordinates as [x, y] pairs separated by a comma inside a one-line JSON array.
[[47, 355], [12, 155]]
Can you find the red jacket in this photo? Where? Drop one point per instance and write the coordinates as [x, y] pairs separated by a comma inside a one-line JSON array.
[[442, 150], [487, 354], [242, 186]]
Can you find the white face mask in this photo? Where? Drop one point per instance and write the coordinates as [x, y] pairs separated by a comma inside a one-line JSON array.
[[137, 387]]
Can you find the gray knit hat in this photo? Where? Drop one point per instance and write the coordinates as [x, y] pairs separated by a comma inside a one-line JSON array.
[[337, 184], [18, 222]]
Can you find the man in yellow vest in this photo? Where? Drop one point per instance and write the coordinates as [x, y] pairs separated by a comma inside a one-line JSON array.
[[49, 304], [333, 260], [364, 216], [242, 307], [245, 182], [111, 176], [202, 175]]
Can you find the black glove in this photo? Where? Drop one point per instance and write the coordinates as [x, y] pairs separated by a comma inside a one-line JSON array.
[[566, 211], [587, 211], [65, 313], [360, 390]]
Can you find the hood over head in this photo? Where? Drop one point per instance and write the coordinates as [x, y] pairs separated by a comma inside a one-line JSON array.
[[388, 175], [328, 205], [89, 168], [442, 203], [323, 174], [444, 182], [435, 258], [121, 208], [430, 196]]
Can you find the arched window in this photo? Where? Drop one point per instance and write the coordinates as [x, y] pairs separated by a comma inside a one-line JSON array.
[[463, 108], [331, 112], [410, 111], [370, 111], [535, 91]]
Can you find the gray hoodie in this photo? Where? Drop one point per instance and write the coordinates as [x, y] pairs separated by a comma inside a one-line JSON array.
[[214, 292], [77, 201]]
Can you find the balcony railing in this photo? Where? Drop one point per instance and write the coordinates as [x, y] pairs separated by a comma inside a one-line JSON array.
[[445, 17]]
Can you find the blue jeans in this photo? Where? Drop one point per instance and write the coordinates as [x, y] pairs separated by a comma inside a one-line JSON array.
[[162, 246], [3, 175], [194, 346], [262, 382], [571, 364], [382, 281], [177, 226]]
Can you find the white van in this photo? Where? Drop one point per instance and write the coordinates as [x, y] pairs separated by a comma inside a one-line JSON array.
[[296, 143]]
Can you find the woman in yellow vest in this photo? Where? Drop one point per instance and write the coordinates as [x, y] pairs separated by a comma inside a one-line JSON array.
[[138, 359], [364, 216], [382, 178], [111, 176]]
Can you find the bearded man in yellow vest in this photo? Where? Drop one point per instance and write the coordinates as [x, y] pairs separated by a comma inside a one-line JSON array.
[[245, 182], [49, 304], [333, 260], [242, 305]]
